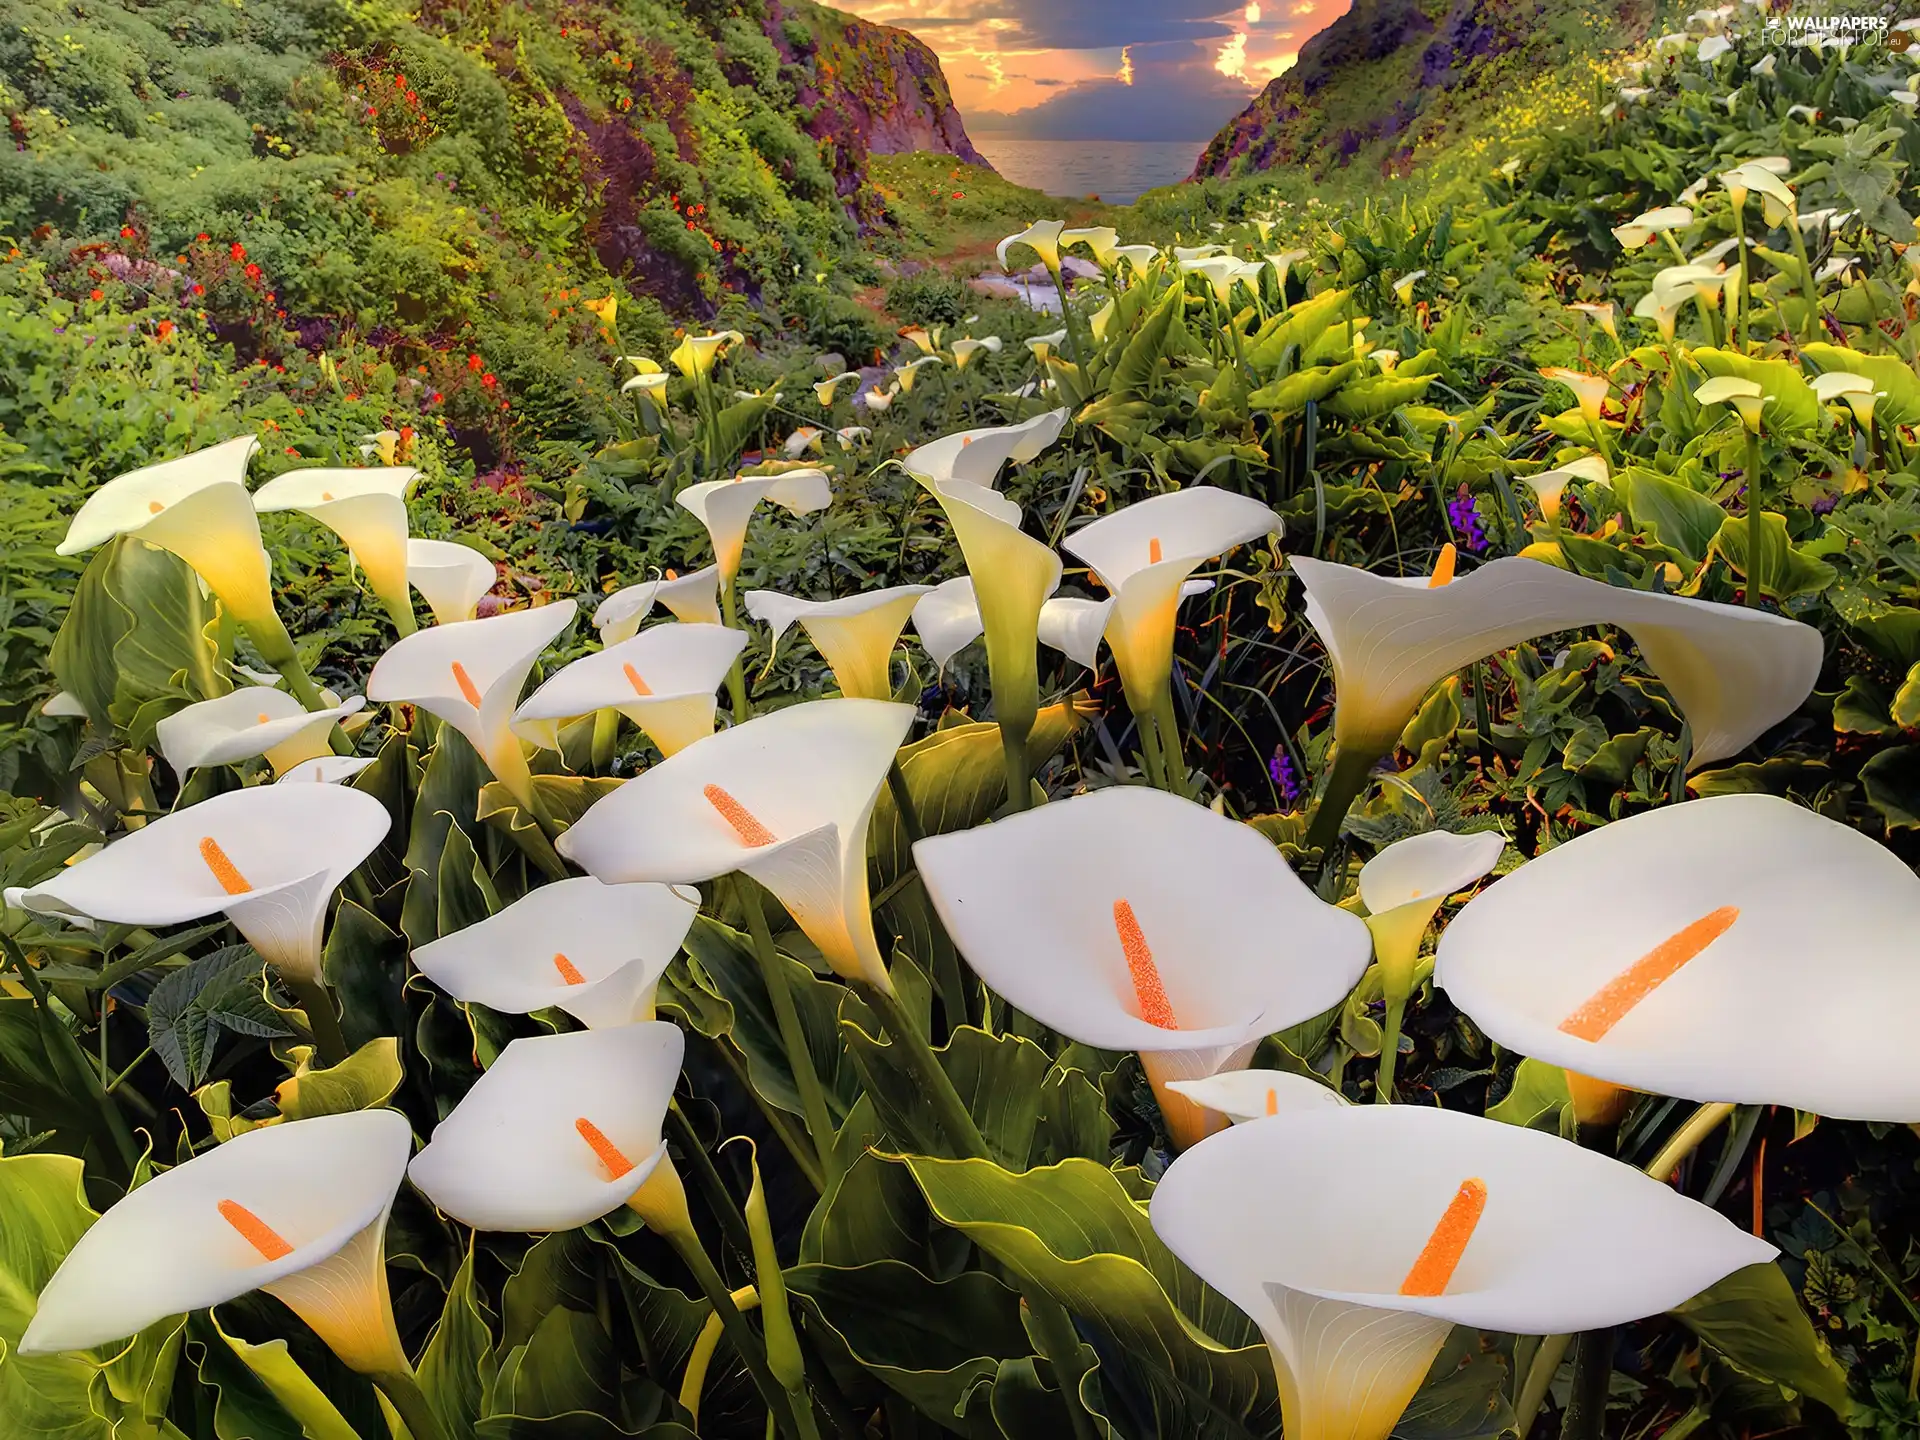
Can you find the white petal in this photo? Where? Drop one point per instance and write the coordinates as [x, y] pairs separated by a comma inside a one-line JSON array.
[[245, 723], [977, 456], [855, 635], [676, 663], [326, 770], [1242, 946], [1431, 866], [1733, 671], [1245, 1211], [509, 1156], [619, 938], [126, 502], [1073, 626], [724, 506], [1743, 1020], [947, 619], [452, 577], [1244, 1095], [167, 1248]]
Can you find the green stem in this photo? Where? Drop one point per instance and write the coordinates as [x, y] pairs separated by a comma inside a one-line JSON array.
[[402, 615], [1811, 328], [1389, 1051], [1351, 764], [1702, 1123], [1753, 516], [1150, 752], [1014, 752], [712, 1188], [606, 732], [793, 1038], [746, 1343], [1066, 319], [65, 1052], [1592, 1373], [1533, 1394], [1740, 250], [322, 1020], [406, 1396], [903, 805], [1173, 761], [737, 672], [1060, 1345]]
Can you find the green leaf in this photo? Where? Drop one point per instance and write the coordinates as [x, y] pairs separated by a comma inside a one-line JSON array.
[[243, 1407], [1300, 326], [1754, 1319], [1892, 782], [1377, 395], [1897, 386], [1862, 709], [567, 1364], [188, 1009], [447, 799], [459, 1366], [365, 1080], [1459, 1401], [1785, 570], [1535, 1098], [1074, 1230], [929, 1341], [33, 1084], [366, 965], [1292, 395], [1134, 370], [298, 1395], [1669, 511], [1905, 710]]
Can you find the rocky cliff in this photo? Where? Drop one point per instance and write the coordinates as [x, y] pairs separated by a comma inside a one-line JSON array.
[[865, 88], [1389, 76]]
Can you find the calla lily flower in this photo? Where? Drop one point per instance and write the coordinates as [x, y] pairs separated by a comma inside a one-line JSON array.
[[725, 506], [452, 577], [1100, 320], [1100, 240], [1243, 1095], [1013, 574], [1440, 1219], [1131, 919], [1777, 201], [367, 509], [695, 355], [851, 435], [803, 439], [784, 798], [965, 350], [1855, 390], [387, 444], [1075, 627], [1696, 984], [947, 619], [663, 680], [254, 720], [825, 390], [469, 674], [1733, 671], [1713, 47], [1589, 390], [247, 1215], [1137, 257], [325, 770], [198, 507], [926, 341], [879, 401], [1284, 262], [906, 374], [977, 456], [1044, 345], [1764, 66], [1043, 237], [560, 1130], [652, 385], [1642, 228], [269, 857], [1405, 885], [1403, 287], [854, 635], [693, 597], [596, 951], [1599, 314], [1549, 486], [1185, 255], [1745, 396], [1144, 554]]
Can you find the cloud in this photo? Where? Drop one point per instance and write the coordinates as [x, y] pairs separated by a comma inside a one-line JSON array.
[[1048, 82], [1108, 24], [1176, 94]]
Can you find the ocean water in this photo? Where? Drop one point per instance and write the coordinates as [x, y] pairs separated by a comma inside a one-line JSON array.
[[1115, 170]]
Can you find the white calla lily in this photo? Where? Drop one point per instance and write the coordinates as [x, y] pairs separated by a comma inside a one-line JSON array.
[[1043, 237], [1131, 919], [695, 355], [803, 439], [662, 679], [725, 507], [1732, 670], [560, 1130], [1756, 177], [1550, 486], [596, 951], [1600, 314], [325, 770], [1590, 391], [197, 507], [1469, 1215], [469, 674], [965, 350], [905, 375], [269, 857], [384, 443], [1101, 241], [243, 1216], [978, 456], [784, 798], [1403, 287], [825, 390], [1137, 257], [947, 619], [1144, 554], [451, 577], [1075, 626], [254, 720], [855, 635], [1044, 345], [1642, 228], [693, 597], [1696, 984], [1244, 1095], [367, 509]]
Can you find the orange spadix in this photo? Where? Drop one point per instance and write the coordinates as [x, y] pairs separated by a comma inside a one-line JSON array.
[[1443, 567], [1155, 1008], [609, 1153], [750, 830], [1441, 1257], [1609, 1005], [640, 687], [569, 972], [1273, 1101], [1154, 552], [465, 682], [255, 1231], [224, 870]]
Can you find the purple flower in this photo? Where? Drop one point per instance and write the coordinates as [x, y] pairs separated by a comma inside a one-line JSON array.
[[1280, 771], [1466, 521]]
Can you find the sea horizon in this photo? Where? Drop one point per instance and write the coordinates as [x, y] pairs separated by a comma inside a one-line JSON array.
[[1118, 171]]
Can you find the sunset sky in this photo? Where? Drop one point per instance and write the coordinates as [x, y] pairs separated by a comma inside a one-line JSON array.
[[1106, 69]]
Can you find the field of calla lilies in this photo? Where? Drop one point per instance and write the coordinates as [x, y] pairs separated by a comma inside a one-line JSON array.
[[1324, 847]]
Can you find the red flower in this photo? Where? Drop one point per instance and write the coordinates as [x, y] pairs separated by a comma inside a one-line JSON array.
[[437, 397], [203, 237], [164, 329], [474, 362], [411, 98], [399, 82], [126, 232], [252, 272], [488, 380], [199, 289], [96, 294], [237, 250]]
